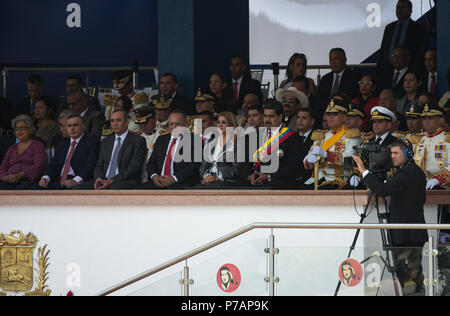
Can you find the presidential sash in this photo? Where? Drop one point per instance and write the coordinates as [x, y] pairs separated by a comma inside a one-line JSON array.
[[272, 144]]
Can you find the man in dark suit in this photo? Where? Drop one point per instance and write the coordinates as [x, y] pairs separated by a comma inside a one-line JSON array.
[[93, 120], [406, 206], [394, 78], [305, 124], [167, 167], [277, 165], [241, 82], [340, 79], [6, 114], [35, 92], [430, 77], [168, 87], [122, 156], [403, 33], [76, 82], [74, 159]]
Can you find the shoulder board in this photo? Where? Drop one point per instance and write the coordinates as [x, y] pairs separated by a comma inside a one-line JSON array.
[[399, 134], [318, 135], [164, 132], [353, 133], [368, 136], [447, 137], [415, 138]]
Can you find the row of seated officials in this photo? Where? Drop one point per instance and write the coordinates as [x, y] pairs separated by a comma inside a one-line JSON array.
[[125, 161]]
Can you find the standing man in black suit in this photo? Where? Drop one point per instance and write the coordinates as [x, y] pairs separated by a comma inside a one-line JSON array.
[[93, 120], [340, 79], [430, 75], [74, 159], [164, 169], [406, 206], [241, 82], [168, 88], [122, 155], [35, 92], [305, 124], [6, 117], [403, 33]]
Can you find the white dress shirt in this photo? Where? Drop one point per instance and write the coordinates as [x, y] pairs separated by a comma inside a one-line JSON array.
[[78, 179], [402, 73], [172, 173], [239, 81], [430, 79], [382, 137]]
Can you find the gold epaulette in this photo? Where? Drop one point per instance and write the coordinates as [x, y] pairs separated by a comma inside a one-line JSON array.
[[107, 130], [400, 134], [139, 132], [447, 137], [368, 136], [353, 133], [318, 135], [415, 138], [164, 132]]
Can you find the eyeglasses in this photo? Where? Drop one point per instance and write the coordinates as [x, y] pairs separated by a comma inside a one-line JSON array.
[[21, 129], [366, 83]]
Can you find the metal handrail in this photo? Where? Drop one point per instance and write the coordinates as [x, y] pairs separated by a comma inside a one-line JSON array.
[[87, 70], [253, 226]]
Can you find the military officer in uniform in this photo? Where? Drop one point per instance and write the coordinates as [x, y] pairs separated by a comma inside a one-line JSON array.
[[432, 151], [163, 109], [331, 148], [123, 83], [146, 120], [414, 122]]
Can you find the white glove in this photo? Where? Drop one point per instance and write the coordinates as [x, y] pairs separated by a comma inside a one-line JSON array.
[[432, 184], [355, 181], [318, 151], [311, 159]]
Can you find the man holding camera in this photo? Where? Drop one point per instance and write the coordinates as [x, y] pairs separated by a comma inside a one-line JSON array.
[[407, 199]]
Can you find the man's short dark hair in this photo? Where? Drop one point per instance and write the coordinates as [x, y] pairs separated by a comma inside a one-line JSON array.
[[339, 50], [405, 50], [77, 91], [256, 107], [408, 2], [78, 78], [400, 144], [181, 112], [312, 113], [273, 104], [303, 79], [126, 115], [239, 57], [173, 76], [127, 103], [208, 114], [35, 79]]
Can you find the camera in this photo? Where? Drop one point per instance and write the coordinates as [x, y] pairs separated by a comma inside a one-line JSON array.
[[376, 158]]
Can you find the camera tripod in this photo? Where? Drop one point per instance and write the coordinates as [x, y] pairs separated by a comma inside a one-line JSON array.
[[385, 238]]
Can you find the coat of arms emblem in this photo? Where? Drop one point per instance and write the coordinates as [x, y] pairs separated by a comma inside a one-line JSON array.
[[17, 273]]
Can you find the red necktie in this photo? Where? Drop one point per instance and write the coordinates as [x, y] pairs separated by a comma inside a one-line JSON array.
[[236, 90], [168, 165], [67, 165], [433, 85]]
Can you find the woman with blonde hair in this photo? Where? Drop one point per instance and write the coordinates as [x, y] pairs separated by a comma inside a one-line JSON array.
[[220, 161]]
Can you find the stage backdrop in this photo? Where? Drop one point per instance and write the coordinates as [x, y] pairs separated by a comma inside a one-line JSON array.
[[76, 33]]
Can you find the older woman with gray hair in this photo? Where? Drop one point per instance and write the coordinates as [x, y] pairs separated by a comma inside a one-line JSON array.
[[25, 161]]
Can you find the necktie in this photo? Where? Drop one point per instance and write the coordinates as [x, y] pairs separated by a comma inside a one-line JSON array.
[[168, 165], [433, 84], [379, 140], [236, 90], [67, 164], [395, 79], [398, 36], [302, 139], [114, 160], [335, 86]]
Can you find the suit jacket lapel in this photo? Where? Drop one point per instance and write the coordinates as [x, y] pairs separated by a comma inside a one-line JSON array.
[[125, 144]]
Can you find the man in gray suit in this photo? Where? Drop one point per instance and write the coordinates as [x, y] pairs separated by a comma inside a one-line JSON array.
[[93, 120], [122, 155]]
